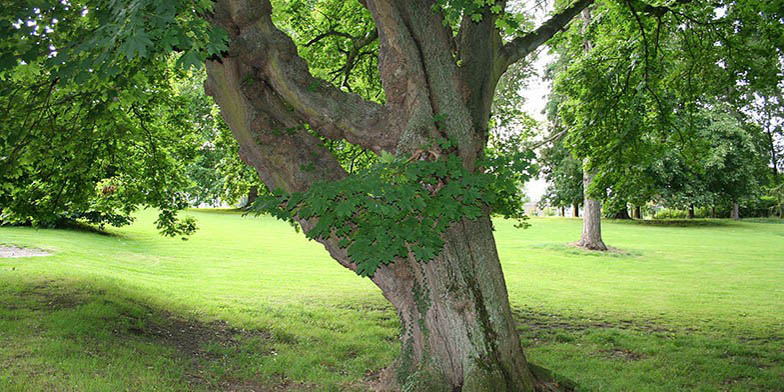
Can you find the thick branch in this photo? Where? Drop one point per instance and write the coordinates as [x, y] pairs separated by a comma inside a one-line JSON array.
[[522, 46], [272, 56], [479, 47]]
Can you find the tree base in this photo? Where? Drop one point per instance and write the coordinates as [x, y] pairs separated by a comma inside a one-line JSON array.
[[597, 246], [546, 381]]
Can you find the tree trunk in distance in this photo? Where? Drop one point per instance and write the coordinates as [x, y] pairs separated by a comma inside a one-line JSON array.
[[637, 213], [691, 211], [622, 214], [591, 237], [563, 211], [713, 212], [735, 211], [575, 211], [253, 194]]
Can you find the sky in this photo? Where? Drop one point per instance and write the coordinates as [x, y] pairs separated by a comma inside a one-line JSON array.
[[535, 94]]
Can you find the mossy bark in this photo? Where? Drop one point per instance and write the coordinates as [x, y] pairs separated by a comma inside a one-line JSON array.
[[457, 330]]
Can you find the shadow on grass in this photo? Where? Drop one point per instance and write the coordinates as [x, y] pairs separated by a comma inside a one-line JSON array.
[[675, 222], [631, 354], [58, 333]]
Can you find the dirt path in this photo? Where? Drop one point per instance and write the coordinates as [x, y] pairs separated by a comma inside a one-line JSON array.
[[13, 251]]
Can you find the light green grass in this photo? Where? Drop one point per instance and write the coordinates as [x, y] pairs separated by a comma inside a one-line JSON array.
[[247, 303]]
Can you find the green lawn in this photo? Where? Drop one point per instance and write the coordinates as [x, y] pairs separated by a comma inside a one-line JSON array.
[[249, 304]]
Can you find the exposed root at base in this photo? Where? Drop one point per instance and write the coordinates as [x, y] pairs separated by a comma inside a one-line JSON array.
[[546, 380]]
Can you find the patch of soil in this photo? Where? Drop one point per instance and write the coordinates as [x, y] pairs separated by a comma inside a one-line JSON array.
[[610, 250], [622, 354], [43, 297], [7, 252]]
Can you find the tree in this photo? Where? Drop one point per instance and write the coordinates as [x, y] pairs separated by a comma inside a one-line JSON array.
[[632, 105], [457, 328], [417, 223], [564, 175], [80, 153]]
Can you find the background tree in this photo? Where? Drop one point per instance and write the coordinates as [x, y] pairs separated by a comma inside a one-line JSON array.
[[91, 153], [631, 104]]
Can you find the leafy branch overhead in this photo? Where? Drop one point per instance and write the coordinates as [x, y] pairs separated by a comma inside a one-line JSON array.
[[400, 208]]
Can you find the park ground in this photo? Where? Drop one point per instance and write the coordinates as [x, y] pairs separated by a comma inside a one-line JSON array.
[[248, 304]]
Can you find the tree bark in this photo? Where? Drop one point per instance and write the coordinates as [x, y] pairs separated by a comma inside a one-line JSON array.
[[253, 194], [457, 329], [458, 333], [691, 211], [563, 211], [591, 237], [575, 211], [637, 213], [735, 211]]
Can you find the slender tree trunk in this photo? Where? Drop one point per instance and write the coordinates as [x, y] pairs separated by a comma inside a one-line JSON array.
[[771, 145], [735, 210], [622, 213], [691, 211], [563, 211], [591, 237], [253, 194], [637, 214], [713, 212]]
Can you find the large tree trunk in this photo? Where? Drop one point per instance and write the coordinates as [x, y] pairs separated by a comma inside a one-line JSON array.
[[735, 211], [457, 328], [591, 237], [458, 333]]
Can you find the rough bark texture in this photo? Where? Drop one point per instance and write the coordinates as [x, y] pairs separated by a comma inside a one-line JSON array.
[[457, 330], [735, 211], [591, 237], [253, 194]]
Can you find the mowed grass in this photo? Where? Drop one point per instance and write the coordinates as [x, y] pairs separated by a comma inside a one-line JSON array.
[[249, 304]]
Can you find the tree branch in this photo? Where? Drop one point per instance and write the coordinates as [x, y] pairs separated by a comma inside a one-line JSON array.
[[271, 56], [522, 46]]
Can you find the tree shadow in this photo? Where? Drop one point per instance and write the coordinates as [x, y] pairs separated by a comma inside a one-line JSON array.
[[676, 222], [79, 322]]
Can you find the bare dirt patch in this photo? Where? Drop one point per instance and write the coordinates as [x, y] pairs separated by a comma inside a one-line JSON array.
[[622, 354], [7, 252]]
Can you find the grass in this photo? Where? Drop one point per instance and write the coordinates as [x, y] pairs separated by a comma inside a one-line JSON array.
[[249, 304]]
